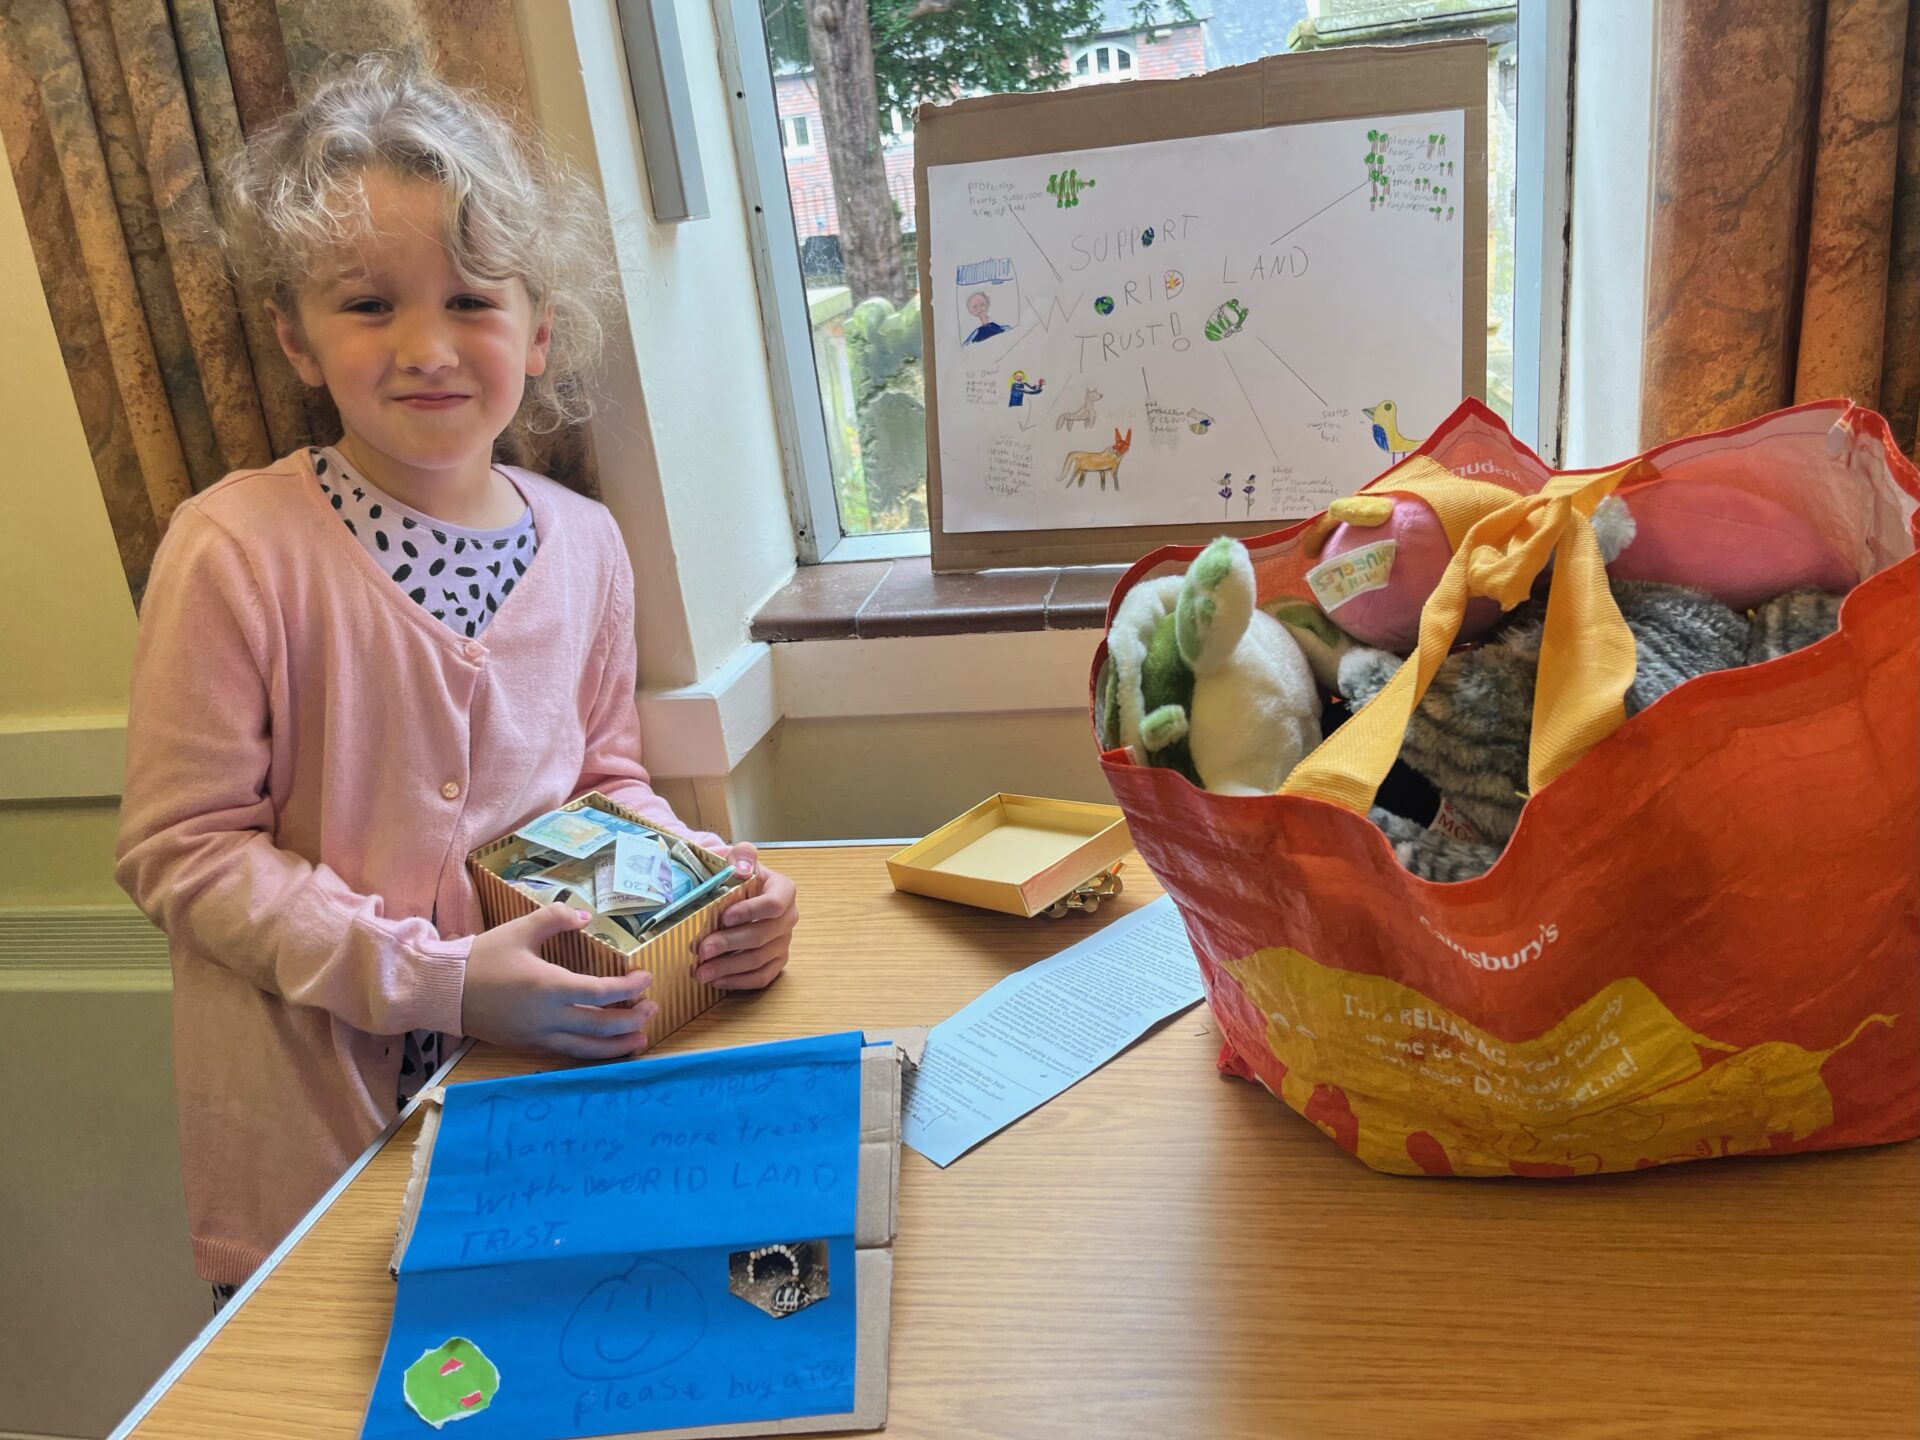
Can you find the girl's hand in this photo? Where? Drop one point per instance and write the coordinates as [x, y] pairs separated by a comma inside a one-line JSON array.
[[513, 997], [751, 945]]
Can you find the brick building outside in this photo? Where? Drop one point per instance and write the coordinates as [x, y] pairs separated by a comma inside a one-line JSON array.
[[1119, 51]]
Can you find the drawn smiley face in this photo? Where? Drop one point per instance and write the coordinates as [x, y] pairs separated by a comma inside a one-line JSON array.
[[630, 1323]]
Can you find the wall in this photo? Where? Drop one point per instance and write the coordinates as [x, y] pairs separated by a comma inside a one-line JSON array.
[[93, 1239], [100, 1293], [895, 737], [690, 461], [896, 776], [66, 647]]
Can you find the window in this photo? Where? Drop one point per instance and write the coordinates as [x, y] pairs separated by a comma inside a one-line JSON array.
[[847, 354], [1105, 61]]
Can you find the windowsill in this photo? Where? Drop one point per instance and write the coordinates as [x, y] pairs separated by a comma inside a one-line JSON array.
[[885, 599], [887, 545]]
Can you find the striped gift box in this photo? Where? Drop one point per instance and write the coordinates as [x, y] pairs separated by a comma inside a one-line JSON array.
[[669, 955]]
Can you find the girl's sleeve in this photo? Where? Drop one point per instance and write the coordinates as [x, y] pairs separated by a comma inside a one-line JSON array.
[[612, 764], [196, 849]]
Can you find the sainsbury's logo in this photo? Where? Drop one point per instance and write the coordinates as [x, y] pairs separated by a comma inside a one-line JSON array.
[[1489, 960]]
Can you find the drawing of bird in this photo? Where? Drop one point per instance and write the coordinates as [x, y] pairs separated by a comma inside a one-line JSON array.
[[1386, 434]]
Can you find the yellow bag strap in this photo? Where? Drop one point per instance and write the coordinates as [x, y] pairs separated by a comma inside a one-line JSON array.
[[1501, 542]]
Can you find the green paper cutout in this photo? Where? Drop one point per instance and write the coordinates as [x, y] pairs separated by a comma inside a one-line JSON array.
[[451, 1382]]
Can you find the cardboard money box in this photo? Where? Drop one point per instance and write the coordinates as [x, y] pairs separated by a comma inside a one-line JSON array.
[[604, 948]]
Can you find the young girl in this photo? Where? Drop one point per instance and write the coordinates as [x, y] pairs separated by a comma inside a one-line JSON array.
[[361, 662]]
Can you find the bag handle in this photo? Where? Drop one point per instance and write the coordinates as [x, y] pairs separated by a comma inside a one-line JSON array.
[[1501, 542]]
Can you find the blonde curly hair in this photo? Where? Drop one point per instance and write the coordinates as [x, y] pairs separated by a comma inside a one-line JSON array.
[[515, 209]]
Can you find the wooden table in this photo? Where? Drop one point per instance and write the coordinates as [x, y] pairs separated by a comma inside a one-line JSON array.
[[1163, 1252]]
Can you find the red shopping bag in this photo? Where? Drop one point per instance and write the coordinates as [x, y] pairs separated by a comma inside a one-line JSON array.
[[1704, 936]]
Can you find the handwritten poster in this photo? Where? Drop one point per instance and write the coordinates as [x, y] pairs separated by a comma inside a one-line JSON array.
[[661, 1243], [1231, 327]]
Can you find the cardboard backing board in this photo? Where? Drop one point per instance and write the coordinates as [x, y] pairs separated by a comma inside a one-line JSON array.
[[1339, 84], [876, 1222]]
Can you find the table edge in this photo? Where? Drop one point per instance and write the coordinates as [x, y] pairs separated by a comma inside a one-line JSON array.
[[157, 1391]]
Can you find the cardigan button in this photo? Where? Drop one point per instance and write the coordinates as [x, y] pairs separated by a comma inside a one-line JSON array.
[[451, 789], [473, 650]]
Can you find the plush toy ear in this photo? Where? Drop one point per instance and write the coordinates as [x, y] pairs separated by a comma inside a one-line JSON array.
[[1215, 603], [1139, 615], [1364, 673], [1613, 527]]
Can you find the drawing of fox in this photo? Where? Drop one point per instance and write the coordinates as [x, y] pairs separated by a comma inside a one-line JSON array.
[[1082, 463]]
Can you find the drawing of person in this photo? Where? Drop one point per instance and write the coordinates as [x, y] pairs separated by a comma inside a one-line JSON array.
[[984, 329], [1017, 395]]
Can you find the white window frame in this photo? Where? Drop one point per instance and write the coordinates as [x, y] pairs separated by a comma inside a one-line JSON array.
[[1541, 207], [790, 144], [798, 418], [1543, 191], [1093, 76]]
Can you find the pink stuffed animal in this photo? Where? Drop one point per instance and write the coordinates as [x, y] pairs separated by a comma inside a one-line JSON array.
[[1387, 552], [1379, 566], [1740, 548]]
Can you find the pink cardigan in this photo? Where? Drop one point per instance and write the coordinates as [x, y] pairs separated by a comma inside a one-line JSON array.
[[310, 757]]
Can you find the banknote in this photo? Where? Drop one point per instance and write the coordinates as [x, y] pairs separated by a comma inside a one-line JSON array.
[[612, 900], [642, 874], [696, 863], [578, 876], [541, 890], [578, 833]]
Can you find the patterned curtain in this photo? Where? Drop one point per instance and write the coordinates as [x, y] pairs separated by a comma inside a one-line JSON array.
[[1785, 248], [115, 113]]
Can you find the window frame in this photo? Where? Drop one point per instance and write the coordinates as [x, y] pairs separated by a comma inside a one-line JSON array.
[[1542, 212], [1093, 75], [790, 142], [1541, 206]]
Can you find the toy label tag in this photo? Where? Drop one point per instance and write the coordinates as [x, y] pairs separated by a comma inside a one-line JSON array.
[[1449, 821], [1336, 581]]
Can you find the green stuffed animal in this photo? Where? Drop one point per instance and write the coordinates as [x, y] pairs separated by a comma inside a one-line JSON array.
[[1146, 687], [1201, 680]]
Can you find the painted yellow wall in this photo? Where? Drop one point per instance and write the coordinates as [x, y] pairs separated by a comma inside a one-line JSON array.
[[67, 645], [58, 852], [66, 642]]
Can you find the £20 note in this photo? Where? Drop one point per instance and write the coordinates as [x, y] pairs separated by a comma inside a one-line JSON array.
[[642, 874]]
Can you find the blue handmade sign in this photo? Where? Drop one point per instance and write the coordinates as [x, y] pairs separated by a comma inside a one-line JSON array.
[[662, 1243]]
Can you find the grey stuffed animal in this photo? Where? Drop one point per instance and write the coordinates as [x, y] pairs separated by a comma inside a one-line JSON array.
[[1469, 735]]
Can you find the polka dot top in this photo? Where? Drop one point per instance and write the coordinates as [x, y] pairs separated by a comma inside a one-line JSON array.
[[460, 576]]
